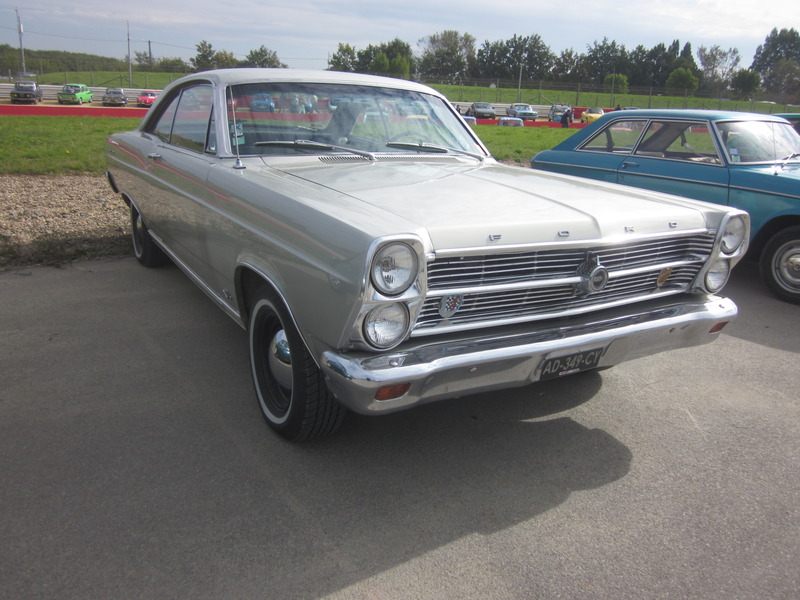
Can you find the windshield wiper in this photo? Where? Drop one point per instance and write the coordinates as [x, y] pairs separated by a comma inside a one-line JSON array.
[[312, 145], [427, 147], [783, 162]]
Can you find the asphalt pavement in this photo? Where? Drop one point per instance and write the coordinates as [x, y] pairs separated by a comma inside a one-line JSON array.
[[135, 464]]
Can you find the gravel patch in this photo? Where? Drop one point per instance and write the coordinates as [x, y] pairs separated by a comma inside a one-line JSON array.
[[59, 219]]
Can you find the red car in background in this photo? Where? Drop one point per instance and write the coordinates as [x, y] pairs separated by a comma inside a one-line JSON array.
[[146, 98]]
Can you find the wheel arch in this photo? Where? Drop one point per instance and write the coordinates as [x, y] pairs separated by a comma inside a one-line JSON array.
[[248, 280], [770, 229]]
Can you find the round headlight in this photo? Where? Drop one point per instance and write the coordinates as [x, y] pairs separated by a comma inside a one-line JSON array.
[[394, 268], [386, 325], [733, 236], [717, 275]]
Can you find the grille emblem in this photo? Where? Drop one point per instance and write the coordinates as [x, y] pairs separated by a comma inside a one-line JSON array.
[[594, 276], [449, 305]]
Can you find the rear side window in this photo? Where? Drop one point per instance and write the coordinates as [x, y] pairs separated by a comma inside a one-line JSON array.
[[679, 140], [619, 137]]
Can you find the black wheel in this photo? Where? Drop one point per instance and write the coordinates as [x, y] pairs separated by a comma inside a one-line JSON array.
[[80, 101], [780, 264], [291, 390], [145, 249]]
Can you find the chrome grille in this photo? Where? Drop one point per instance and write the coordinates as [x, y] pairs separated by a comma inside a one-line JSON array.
[[494, 287]]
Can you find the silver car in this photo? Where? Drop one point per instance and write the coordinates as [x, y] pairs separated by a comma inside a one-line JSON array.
[[379, 257]]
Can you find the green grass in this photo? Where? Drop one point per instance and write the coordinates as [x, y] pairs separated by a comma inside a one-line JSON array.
[[68, 145], [519, 144], [43, 145]]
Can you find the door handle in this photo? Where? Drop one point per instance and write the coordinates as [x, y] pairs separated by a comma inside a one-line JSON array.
[[628, 164]]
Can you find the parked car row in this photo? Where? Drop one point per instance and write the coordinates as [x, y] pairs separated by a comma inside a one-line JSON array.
[[78, 93], [379, 258]]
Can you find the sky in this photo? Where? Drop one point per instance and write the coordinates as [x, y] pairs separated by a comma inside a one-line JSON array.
[[304, 33]]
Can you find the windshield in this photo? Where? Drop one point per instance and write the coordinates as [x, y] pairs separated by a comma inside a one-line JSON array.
[[758, 141], [271, 117], [24, 85]]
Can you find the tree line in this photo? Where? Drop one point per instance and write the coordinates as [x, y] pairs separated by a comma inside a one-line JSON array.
[[453, 57]]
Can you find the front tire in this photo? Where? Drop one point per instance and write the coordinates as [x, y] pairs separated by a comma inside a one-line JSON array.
[[147, 252], [780, 264], [292, 394]]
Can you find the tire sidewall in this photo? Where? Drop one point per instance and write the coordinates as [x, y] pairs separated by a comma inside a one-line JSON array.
[[770, 271], [265, 307]]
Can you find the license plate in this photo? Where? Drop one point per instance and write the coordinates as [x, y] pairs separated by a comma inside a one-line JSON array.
[[571, 363]]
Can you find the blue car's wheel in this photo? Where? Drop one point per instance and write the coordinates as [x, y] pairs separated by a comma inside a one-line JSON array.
[[780, 264]]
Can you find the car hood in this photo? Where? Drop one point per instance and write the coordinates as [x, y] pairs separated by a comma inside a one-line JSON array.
[[462, 205], [776, 179]]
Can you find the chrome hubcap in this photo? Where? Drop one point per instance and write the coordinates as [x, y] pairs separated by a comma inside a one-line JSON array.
[[280, 360]]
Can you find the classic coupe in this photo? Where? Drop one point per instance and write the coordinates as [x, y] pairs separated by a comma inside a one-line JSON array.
[[590, 115], [26, 92], [522, 111], [749, 161], [74, 93], [146, 98], [380, 258], [481, 110], [115, 97]]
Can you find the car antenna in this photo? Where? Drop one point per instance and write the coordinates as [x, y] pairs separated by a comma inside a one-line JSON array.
[[234, 141]]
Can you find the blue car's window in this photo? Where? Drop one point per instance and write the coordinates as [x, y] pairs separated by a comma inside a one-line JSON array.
[[679, 140], [270, 117], [758, 141], [619, 137]]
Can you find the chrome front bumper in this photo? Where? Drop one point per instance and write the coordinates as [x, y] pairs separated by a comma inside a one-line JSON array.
[[469, 364]]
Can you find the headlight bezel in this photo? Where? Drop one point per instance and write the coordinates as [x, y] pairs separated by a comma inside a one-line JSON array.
[[406, 267], [719, 267], [380, 314], [730, 232]]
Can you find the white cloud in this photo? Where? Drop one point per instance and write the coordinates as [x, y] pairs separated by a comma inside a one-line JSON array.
[[305, 32]]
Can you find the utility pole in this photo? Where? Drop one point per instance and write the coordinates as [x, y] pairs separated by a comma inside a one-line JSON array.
[[21, 49], [130, 68]]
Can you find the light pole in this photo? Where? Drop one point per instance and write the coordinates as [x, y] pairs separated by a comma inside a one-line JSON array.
[[21, 49]]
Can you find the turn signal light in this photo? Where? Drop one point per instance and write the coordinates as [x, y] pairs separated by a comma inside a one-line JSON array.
[[718, 327], [391, 392]]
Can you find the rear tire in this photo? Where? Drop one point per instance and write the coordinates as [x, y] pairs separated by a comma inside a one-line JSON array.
[[780, 264], [147, 252], [292, 394]]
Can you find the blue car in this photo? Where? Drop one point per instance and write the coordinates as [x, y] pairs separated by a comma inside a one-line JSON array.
[[749, 161]]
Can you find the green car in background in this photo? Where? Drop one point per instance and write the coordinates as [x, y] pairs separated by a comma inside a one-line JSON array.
[[74, 93]]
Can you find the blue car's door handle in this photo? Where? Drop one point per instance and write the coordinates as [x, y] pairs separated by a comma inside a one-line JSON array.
[[628, 164]]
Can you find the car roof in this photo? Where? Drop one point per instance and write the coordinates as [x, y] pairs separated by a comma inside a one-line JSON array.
[[581, 135], [224, 77], [683, 113]]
